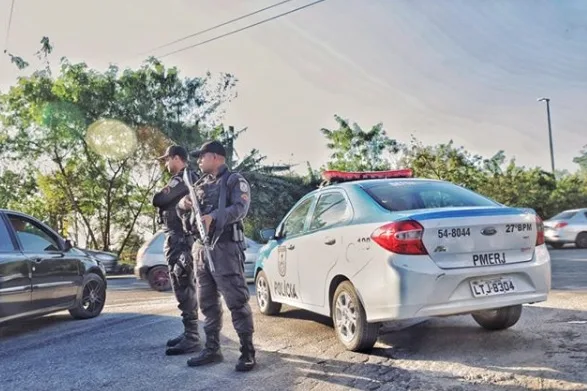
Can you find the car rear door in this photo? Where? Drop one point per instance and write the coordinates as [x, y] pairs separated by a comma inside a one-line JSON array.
[[56, 274], [15, 276]]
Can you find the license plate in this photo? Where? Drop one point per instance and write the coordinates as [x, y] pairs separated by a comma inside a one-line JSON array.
[[493, 287]]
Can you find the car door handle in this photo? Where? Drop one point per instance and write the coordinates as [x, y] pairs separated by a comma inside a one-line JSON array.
[[329, 241], [291, 246]]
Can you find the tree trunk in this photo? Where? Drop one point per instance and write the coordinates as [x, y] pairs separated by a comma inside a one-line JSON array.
[[67, 188]]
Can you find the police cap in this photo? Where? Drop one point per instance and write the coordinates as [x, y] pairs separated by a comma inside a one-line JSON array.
[[210, 147], [175, 150]]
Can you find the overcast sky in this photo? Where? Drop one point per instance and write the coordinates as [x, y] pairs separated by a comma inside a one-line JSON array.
[[470, 70]]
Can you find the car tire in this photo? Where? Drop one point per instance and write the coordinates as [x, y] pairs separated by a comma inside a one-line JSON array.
[[357, 335], [93, 298], [499, 318], [556, 246], [158, 278], [264, 301], [581, 241]]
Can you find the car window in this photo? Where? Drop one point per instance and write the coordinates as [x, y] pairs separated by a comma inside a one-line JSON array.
[[6, 244], [331, 209], [294, 224], [567, 215], [403, 195], [157, 243], [32, 236]]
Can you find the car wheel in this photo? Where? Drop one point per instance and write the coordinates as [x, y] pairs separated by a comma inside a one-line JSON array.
[[158, 278], [350, 321], [498, 319], [266, 305], [581, 241], [557, 246], [93, 298]]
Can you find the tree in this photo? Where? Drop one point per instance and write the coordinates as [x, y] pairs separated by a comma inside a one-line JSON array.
[[447, 162], [92, 136], [581, 160], [354, 149]]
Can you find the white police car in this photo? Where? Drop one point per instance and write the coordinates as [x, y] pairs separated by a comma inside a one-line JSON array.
[[374, 247]]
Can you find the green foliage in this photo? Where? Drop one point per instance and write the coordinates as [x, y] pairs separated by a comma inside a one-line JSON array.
[[493, 177], [354, 149], [581, 160], [88, 139], [271, 198]]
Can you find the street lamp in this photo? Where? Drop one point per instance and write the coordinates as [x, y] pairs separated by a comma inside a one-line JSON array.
[[547, 100]]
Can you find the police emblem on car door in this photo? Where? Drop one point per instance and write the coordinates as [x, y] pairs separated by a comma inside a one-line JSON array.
[[281, 260]]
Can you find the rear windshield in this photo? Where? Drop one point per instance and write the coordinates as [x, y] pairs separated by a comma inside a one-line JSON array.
[[403, 195], [564, 216]]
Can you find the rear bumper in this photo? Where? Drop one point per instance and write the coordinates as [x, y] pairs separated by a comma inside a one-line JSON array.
[[555, 236], [414, 287]]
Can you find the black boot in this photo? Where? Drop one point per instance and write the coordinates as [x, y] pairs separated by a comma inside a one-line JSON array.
[[211, 352], [246, 361], [189, 341], [174, 341], [188, 344]]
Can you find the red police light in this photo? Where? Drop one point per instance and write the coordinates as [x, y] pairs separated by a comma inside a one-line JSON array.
[[345, 176]]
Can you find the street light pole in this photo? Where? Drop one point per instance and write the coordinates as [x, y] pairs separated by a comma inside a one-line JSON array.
[[547, 100]]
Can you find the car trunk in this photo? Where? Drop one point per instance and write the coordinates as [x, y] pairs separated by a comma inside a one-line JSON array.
[[478, 236]]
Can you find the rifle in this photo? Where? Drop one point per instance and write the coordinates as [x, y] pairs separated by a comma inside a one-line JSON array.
[[198, 217]]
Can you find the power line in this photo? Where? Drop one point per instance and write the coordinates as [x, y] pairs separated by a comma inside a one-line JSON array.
[[215, 27], [9, 24], [242, 29]]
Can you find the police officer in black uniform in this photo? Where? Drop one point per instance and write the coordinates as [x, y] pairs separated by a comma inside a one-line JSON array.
[[177, 250], [224, 199]]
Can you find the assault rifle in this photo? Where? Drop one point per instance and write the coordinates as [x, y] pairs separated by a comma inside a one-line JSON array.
[[198, 217]]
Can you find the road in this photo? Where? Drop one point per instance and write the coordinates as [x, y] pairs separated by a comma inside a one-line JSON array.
[[123, 349]]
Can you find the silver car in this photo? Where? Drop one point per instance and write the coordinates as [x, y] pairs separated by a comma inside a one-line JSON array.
[[151, 265], [569, 226]]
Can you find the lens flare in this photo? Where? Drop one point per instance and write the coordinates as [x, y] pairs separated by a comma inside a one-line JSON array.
[[111, 139]]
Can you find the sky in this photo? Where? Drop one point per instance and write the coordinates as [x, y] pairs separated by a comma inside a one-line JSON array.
[[466, 70]]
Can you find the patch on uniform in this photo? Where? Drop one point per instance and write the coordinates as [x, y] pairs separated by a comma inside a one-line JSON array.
[[245, 196], [166, 190], [200, 194], [174, 182], [243, 186]]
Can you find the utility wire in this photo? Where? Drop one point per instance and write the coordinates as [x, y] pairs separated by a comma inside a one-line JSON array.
[[215, 27], [9, 24], [241, 29]]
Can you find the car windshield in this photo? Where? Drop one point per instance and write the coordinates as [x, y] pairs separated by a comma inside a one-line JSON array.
[[567, 215], [405, 195]]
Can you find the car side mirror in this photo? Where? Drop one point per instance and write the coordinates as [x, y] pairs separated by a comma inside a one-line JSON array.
[[67, 245], [267, 234]]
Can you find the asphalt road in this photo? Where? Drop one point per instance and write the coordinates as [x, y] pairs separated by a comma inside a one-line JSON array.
[[123, 349]]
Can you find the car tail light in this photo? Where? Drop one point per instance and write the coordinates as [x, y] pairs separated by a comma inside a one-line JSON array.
[[539, 231], [401, 237], [560, 225]]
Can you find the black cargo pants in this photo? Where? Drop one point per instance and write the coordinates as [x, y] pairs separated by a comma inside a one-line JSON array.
[[177, 251], [229, 280]]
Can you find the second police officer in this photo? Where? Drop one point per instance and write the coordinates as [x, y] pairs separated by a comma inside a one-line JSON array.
[[177, 250], [224, 199]]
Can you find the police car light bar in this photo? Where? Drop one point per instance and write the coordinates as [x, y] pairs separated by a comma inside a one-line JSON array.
[[345, 176]]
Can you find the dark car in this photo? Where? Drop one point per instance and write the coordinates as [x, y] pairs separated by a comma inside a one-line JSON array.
[[41, 273], [108, 259]]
